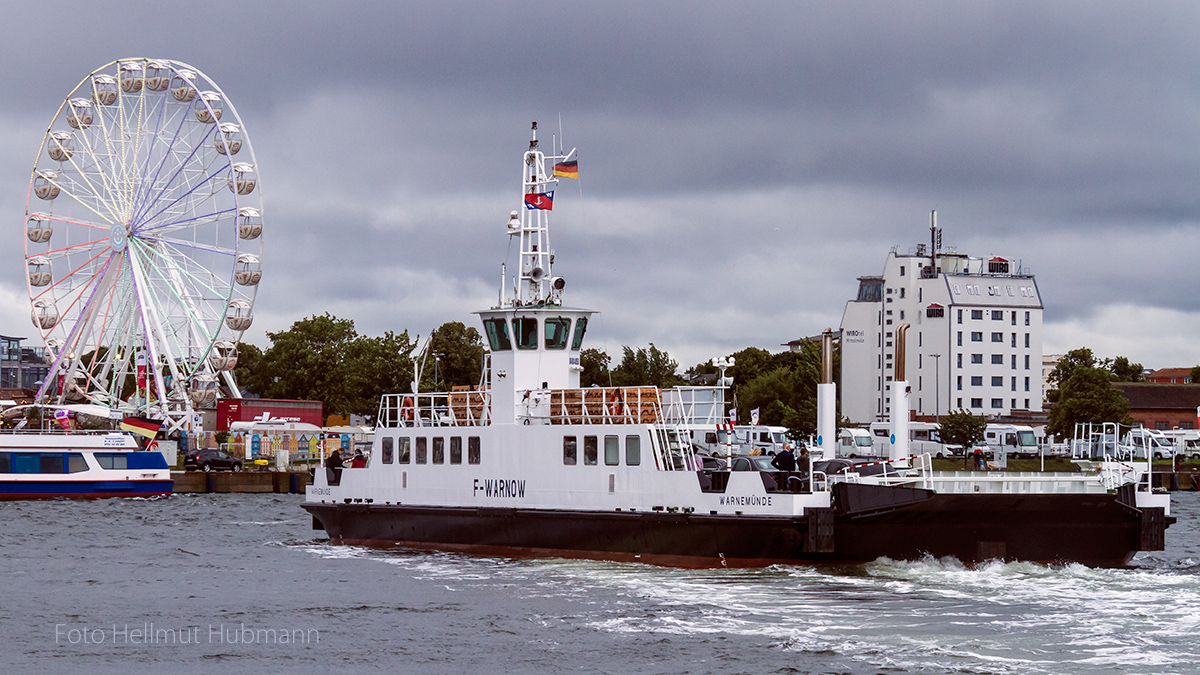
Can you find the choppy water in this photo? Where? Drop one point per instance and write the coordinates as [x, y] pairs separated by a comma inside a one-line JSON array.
[[209, 568]]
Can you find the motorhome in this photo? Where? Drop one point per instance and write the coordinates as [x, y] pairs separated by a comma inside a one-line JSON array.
[[854, 442], [1012, 440], [1186, 442], [1141, 442], [922, 438]]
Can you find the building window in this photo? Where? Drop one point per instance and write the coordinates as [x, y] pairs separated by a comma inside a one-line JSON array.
[[1027, 341], [1014, 403], [976, 380], [1026, 383], [1014, 340], [997, 403], [960, 360], [960, 338], [902, 270], [997, 381], [958, 403], [1186, 425], [997, 315], [977, 336], [997, 337], [1026, 318], [1161, 426], [1014, 318], [997, 359], [977, 314], [1014, 361], [1014, 386], [976, 403], [1026, 362], [901, 315], [960, 382], [902, 291], [960, 316], [1027, 404], [977, 358]]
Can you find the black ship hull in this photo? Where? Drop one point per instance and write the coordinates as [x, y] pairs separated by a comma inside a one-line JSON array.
[[866, 522]]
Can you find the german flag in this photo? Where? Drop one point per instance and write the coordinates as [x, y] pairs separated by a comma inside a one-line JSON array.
[[568, 169], [143, 426]]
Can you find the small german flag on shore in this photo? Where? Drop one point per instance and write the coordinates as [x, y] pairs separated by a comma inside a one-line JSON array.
[[143, 426], [568, 168]]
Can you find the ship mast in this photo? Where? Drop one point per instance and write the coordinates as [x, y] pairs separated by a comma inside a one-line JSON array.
[[535, 284]]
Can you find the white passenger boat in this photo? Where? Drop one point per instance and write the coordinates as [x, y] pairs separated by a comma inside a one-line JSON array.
[[45, 465], [531, 464]]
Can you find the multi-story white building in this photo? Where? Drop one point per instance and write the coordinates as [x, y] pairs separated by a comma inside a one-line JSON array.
[[974, 341]]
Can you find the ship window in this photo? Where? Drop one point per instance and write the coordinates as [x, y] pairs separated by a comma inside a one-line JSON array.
[[439, 451], [387, 450], [633, 450], [580, 329], [526, 330], [404, 450], [5, 462], [422, 452], [25, 463], [112, 460], [590, 450], [472, 450], [456, 450], [52, 464], [76, 462], [497, 334], [612, 450], [557, 330], [569, 450]]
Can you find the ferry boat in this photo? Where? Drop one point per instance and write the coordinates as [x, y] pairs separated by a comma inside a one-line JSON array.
[[530, 463], [45, 465]]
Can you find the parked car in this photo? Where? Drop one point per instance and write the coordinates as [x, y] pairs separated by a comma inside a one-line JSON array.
[[210, 460]]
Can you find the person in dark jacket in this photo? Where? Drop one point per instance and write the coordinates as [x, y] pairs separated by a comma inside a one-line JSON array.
[[333, 467], [785, 460]]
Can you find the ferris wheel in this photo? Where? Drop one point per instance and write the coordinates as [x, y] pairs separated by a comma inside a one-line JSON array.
[[143, 239]]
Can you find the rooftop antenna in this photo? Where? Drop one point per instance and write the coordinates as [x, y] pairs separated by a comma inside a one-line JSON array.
[[935, 234]]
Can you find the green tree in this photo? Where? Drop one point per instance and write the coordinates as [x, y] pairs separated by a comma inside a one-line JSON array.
[[750, 363], [1194, 376], [1124, 371], [308, 360], [1086, 397], [962, 428], [459, 353], [1076, 358], [246, 371], [377, 366], [785, 390], [595, 365], [641, 367]]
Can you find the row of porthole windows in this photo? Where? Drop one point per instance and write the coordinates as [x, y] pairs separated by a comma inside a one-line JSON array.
[[525, 330], [612, 450], [405, 450]]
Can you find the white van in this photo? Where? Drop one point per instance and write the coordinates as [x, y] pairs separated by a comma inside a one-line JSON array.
[[922, 438], [1141, 442], [854, 442], [1016, 440]]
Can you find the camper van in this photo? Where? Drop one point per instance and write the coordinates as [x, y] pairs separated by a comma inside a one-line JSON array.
[[854, 442], [709, 439], [922, 438], [1012, 440], [1141, 442], [1186, 442]]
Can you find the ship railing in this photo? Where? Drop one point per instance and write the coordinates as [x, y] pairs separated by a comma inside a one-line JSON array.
[[820, 482], [672, 449], [597, 405], [461, 407], [694, 405], [918, 473]]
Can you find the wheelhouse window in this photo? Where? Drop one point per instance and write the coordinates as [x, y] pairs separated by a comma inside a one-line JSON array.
[[612, 450], [569, 450], [473, 450], [580, 329], [633, 450], [497, 334], [558, 329], [387, 450], [422, 450], [439, 451], [404, 450], [526, 330], [456, 450], [589, 450]]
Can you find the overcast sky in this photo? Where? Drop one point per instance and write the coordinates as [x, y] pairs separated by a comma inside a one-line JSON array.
[[741, 163]]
